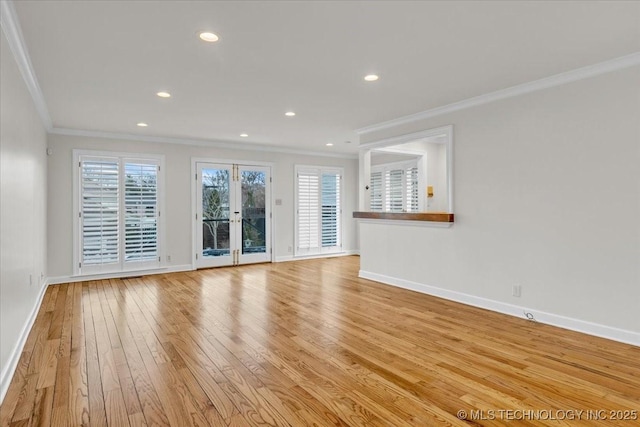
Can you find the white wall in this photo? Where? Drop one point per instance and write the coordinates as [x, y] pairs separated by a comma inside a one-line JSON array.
[[23, 212], [382, 158], [178, 178], [547, 195], [437, 176]]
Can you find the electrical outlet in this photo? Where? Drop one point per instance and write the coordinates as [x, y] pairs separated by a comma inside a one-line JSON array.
[[289, 249], [168, 258], [30, 279], [517, 291]]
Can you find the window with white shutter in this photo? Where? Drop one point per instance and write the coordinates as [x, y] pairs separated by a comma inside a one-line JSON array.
[[411, 189], [394, 188], [376, 191], [308, 215], [118, 213], [100, 211], [331, 210], [141, 211], [318, 210]]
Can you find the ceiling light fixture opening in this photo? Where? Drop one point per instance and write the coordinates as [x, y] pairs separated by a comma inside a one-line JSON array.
[[163, 94], [142, 125], [244, 135], [329, 144], [289, 114], [371, 77], [208, 37]]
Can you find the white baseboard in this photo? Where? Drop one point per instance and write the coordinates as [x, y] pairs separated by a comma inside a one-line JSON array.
[[288, 258], [117, 275], [603, 331], [6, 375]]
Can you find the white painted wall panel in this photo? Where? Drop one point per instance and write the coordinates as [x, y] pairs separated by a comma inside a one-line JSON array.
[[23, 210]]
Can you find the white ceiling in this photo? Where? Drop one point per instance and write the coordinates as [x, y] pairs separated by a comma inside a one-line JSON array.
[[100, 63]]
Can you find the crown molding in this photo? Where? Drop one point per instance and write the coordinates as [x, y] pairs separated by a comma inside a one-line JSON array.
[[536, 85], [197, 142], [11, 28], [445, 131]]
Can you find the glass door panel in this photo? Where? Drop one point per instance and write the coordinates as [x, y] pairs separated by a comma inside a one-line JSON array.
[[233, 218], [253, 196], [216, 233]]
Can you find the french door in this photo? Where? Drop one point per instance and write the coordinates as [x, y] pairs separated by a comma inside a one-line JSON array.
[[233, 215]]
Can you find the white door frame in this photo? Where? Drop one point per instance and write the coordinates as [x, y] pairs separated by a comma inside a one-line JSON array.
[[194, 199]]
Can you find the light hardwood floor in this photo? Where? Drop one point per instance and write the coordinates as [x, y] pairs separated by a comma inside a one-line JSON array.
[[303, 343]]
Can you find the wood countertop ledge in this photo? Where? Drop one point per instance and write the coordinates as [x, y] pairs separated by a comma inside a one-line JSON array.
[[406, 216]]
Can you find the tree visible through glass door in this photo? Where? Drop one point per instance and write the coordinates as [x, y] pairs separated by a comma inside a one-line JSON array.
[[216, 233], [254, 221], [233, 218]]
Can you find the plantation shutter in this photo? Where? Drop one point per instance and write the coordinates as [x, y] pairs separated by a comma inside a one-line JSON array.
[[308, 183], [141, 211], [331, 209], [395, 187], [118, 214], [376, 192], [99, 211], [318, 210], [394, 190], [411, 174]]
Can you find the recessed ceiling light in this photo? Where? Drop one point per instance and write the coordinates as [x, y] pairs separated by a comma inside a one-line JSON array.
[[329, 144], [244, 135], [208, 37], [290, 114], [142, 125], [371, 77], [164, 94]]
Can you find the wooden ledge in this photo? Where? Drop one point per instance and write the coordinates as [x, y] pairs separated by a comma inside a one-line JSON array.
[[407, 216]]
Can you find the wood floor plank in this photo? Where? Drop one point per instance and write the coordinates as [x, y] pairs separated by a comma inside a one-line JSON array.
[[157, 385], [16, 389], [78, 410], [303, 343], [43, 408], [60, 414], [134, 374], [97, 414], [25, 399], [18, 393], [114, 402]]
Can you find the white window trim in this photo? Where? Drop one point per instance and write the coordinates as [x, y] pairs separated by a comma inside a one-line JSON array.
[[322, 251], [77, 236]]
